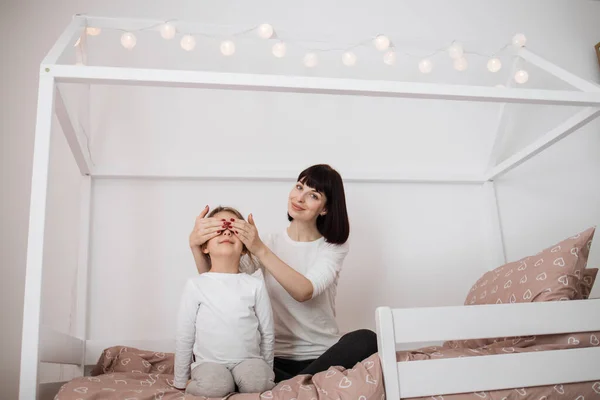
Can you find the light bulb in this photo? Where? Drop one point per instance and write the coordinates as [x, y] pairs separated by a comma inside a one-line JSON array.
[[310, 60], [521, 76], [349, 58], [279, 49], [188, 42], [455, 51], [265, 31], [460, 64], [167, 31], [128, 40], [227, 48], [519, 40], [90, 30], [381, 42], [425, 66], [494, 65], [389, 57]]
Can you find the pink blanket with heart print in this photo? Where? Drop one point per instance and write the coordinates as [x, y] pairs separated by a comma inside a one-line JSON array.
[[128, 373]]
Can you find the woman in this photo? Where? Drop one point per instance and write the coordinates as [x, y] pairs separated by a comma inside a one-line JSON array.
[[302, 266]]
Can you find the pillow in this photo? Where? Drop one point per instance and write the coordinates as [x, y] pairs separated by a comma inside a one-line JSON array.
[[587, 282], [552, 274]]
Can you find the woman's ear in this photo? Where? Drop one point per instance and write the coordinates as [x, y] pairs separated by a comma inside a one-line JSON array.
[[205, 249], [322, 213]]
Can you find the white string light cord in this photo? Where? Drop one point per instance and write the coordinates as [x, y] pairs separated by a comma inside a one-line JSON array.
[[168, 30]]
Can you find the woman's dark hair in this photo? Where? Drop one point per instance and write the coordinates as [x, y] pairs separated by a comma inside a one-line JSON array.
[[334, 225]]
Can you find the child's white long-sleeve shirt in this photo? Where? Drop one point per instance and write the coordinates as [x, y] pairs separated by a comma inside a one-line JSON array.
[[223, 318]]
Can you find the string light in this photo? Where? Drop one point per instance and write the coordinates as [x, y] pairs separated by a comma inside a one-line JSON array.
[[349, 59], [265, 31], [519, 40], [494, 65], [455, 51], [90, 30], [227, 48], [187, 42], [521, 76], [279, 49], [389, 57], [381, 42], [167, 31], [128, 40], [425, 66], [461, 64], [310, 60]]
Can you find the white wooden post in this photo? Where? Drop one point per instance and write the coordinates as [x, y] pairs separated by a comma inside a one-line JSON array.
[[83, 263], [493, 227], [386, 348], [35, 245]]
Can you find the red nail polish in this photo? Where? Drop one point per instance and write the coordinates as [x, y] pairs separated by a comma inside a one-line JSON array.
[[223, 219], [232, 219], [236, 232], [218, 231]]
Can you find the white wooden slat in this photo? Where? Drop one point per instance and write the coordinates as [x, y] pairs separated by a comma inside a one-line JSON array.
[[316, 85], [482, 373], [74, 139], [412, 325], [59, 348], [558, 72], [386, 345], [83, 261], [48, 390], [35, 242], [493, 227], [68, 38], [285, 176], [94, 348], [560, 132]]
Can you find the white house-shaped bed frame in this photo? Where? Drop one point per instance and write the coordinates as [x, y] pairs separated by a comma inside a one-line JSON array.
[[41, 344]]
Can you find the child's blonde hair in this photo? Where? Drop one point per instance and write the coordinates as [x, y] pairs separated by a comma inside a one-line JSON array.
[[243, 268]]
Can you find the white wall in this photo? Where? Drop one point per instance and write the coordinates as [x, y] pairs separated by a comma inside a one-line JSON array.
[[565, 178]]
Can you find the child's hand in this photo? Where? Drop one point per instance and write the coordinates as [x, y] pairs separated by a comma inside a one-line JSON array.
[[248, 234], [205, 229]]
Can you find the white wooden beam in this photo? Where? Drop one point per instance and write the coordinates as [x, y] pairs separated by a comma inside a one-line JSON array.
[[59, 348], [386, 348], [67, 39], [495, 242], [560, 132], [83, 262], [94, 348], [558, 72], [499, 371], [77, 144], [316, 85], [286, 176], [35, 244], [413, 325]]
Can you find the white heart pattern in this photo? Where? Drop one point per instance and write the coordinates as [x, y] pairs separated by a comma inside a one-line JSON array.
[[267, 395], [541, 277], [521, 391], [516, 341], [580, 397], [577, 273], [498, 301], [371, 380], [286, 388], [146, 364], [369, 364], [575, 251], [483, 294], [125, 361], [573, 341], [109, 389], [509, 272], [484, 283], [345, 383], [522, 267], [523, 279], [527, 295], [538, 262], [121, 381], [362, 398], [495, 289], [304, 387], [508, 284], [594, 340], [508, 349], [560, 389], [596, 387], [330, 373], [559, 261], [555, 249], [93, 379], [513, 299], [564, 280], [160, 354], [481, 394], [82, 390]]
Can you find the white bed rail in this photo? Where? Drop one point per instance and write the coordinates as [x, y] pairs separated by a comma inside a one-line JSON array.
[[60, 348], [474, 374]]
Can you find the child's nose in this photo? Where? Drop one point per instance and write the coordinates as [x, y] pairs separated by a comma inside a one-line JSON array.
[[227, 232]]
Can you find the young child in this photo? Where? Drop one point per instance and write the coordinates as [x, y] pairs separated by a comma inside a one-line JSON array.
[[225, 322]]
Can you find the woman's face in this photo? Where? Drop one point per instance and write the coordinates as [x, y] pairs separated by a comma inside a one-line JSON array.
[[227, 243], [305, 203]]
